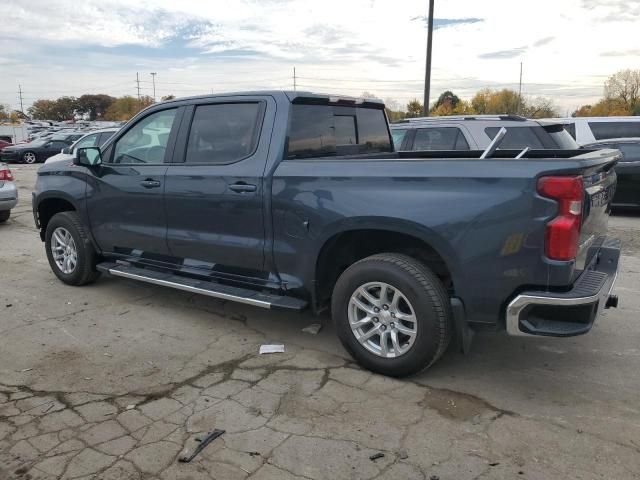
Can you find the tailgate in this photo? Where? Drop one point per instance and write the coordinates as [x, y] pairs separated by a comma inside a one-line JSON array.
[[599, 188]]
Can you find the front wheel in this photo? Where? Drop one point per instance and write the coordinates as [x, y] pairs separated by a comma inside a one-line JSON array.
[[69, 250], [29, 157], [4, 215], [392, 314]]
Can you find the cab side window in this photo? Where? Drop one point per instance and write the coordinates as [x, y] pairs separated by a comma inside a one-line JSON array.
[[224, 133], [146, 141]]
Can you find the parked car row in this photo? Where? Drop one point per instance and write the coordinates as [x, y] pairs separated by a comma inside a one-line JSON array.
[[60, 146]]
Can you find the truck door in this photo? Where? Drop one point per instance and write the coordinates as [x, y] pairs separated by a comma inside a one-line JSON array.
[[214, 187], [125, 193]]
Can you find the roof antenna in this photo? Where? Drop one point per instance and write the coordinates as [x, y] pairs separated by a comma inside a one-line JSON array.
[[495, 143]]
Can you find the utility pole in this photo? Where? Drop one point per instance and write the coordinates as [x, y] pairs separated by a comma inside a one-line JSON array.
[[138, 82], [294, 79], [153, 78], [427, 73], [20, 93], [520, 89]]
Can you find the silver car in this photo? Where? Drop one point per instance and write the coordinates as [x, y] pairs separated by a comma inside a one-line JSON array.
[[8, 193]]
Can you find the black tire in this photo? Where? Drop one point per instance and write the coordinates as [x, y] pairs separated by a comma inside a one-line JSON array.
[[422, 289], [4, 215], [28, 153], [84, 271]]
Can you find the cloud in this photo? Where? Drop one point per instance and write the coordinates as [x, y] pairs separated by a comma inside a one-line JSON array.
[[502, 54], [635, 52], [543, 41], [447, 22]]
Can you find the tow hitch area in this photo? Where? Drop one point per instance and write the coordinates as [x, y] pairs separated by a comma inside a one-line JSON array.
[[612, 302]]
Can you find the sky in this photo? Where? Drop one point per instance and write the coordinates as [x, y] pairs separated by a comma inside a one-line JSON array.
[[568, 48]]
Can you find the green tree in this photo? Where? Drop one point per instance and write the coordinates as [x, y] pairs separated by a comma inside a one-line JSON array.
[[447, 98], [94, 105]]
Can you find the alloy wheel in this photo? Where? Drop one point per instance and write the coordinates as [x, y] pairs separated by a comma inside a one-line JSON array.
[[382, 319], [64, 250]]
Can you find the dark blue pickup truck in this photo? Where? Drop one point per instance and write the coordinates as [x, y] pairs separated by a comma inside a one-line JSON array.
[[294, 200]]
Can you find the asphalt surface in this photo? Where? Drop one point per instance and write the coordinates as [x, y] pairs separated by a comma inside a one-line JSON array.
[[116, 380]]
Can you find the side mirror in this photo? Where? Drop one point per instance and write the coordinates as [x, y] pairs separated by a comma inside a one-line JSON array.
[[87, 156], [66, 150]]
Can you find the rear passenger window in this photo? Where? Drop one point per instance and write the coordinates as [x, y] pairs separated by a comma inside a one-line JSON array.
[[604, 130], [440, 138], [327, 130], [522, 137], [223, 133]]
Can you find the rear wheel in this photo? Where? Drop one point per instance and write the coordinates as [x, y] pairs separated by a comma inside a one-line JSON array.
[[4, 215], [392, 314], [69, 250], [29, 157]]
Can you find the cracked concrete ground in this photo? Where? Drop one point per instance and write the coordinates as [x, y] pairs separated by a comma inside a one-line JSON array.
[[115, 380]]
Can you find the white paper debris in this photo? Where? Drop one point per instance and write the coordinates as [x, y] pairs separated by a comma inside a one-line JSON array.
[[271, 349], [313, 329], [130, 407]]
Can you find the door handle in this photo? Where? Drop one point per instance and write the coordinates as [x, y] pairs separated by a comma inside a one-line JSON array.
[[150, 183], [242, 187]]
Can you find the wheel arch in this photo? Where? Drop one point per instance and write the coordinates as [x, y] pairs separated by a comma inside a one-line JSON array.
[[48, 206], [351, 241]]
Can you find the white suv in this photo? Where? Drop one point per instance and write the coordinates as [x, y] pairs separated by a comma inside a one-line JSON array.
[[475, 132], [590, 129]]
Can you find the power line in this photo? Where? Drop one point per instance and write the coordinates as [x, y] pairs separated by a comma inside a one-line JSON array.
[[294, 79]]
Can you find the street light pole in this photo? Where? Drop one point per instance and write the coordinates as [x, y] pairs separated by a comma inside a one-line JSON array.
[[153, 77], [427, 73]]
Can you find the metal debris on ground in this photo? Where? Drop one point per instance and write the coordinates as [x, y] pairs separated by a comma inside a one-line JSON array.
[[271, 349], [313, 329], [376, 456], [203, 442]]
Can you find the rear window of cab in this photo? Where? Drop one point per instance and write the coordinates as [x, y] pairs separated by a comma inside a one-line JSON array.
[[331, 130]]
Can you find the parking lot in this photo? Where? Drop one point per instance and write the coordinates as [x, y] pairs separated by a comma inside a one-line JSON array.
[[114, 380]]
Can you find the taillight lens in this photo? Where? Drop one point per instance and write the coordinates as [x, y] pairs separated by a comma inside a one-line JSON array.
[[563, 232], [5, 174]]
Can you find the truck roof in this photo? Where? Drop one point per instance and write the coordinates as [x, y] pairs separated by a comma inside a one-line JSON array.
[[292, 95]]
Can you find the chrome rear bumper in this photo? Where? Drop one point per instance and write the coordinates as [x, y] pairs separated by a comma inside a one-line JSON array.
[[568, 313]]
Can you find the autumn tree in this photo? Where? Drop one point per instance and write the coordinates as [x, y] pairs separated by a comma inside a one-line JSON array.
[[604, 108], [43, 109], [540, 107], [94, 105], [126, 107], [414, 108], [505, 101], [625, 87]]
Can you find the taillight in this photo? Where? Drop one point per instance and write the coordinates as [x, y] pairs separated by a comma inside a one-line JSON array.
[[5, 174], [563, 232]]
